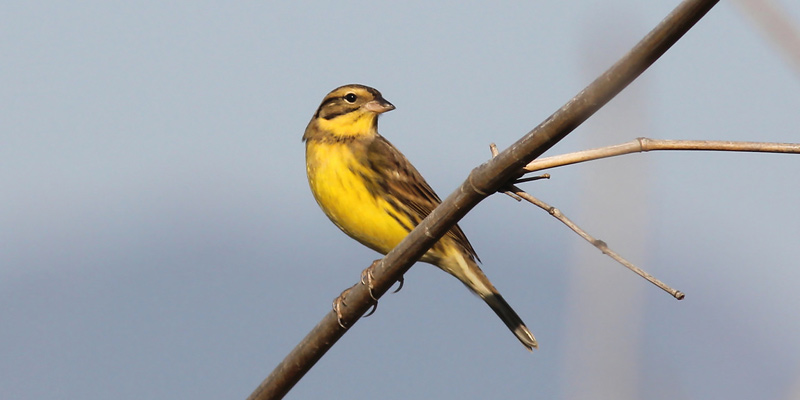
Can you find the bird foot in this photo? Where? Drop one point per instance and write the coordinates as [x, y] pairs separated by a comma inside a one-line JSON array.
[[367, 277], [338, 303]]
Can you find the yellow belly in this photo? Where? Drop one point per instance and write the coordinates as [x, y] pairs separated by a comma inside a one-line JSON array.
[[334, 174]]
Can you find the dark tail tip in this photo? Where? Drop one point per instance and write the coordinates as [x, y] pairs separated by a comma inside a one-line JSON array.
[[512, 320]]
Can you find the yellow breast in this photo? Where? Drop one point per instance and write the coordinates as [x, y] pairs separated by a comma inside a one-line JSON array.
[[338, 179]]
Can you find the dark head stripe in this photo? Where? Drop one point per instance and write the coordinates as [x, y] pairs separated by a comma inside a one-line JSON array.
[[337, 96], [337, 112]]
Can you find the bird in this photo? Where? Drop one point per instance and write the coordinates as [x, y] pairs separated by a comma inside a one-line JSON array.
[[370, 191]]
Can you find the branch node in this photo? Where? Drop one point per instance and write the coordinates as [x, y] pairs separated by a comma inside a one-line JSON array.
[[644, 144], [603, 246], [475, 189]]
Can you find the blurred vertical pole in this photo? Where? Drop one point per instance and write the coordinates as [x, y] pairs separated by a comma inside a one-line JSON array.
[[773, 20], [604, 312]]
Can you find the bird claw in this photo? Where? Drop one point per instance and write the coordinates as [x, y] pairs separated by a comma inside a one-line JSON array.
[[366, 279], [372, 309], [401, 280], [337, 306]]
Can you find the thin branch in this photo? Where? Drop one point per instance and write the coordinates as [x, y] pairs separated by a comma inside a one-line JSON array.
[[532, 178], [644, 144], [481, 182], [601, 245], [516, 193]]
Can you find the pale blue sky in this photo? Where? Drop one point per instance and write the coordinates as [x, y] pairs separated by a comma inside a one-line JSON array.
[[158, 239]]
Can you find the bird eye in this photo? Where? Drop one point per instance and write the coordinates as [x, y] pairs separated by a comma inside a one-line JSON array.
[[350, 97]]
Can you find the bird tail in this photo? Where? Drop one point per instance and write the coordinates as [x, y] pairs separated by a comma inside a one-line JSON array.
[[511, 319], [469, 273]]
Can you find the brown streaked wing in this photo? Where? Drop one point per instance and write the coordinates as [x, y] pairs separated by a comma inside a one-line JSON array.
[[398, 178]]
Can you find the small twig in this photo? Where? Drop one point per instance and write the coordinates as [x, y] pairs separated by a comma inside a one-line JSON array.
[[532, 178], [601, 245], [644, 144], [512, 195]]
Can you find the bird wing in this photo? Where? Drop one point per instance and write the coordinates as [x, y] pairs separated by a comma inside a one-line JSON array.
[[397, 177]]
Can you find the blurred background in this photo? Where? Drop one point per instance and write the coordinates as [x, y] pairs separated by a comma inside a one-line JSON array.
[[158, 238]]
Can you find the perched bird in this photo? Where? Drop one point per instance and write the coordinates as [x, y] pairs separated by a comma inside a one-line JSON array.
[[374, 194]]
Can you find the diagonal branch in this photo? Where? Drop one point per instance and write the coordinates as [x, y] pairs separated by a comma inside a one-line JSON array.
[[601, 245], [481, 182]]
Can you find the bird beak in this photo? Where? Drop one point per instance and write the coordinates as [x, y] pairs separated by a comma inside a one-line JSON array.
[[379, 106]]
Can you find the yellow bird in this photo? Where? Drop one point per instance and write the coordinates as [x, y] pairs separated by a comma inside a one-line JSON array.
[[374, 194]]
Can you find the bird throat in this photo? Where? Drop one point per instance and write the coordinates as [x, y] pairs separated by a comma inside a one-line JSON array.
[[351, 125]]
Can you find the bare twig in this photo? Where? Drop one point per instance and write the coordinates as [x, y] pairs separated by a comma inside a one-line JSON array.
[[515, 192], [532, 178], [512, 195], [635, 146], [644, 144], [601, 245], [481, 182]]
